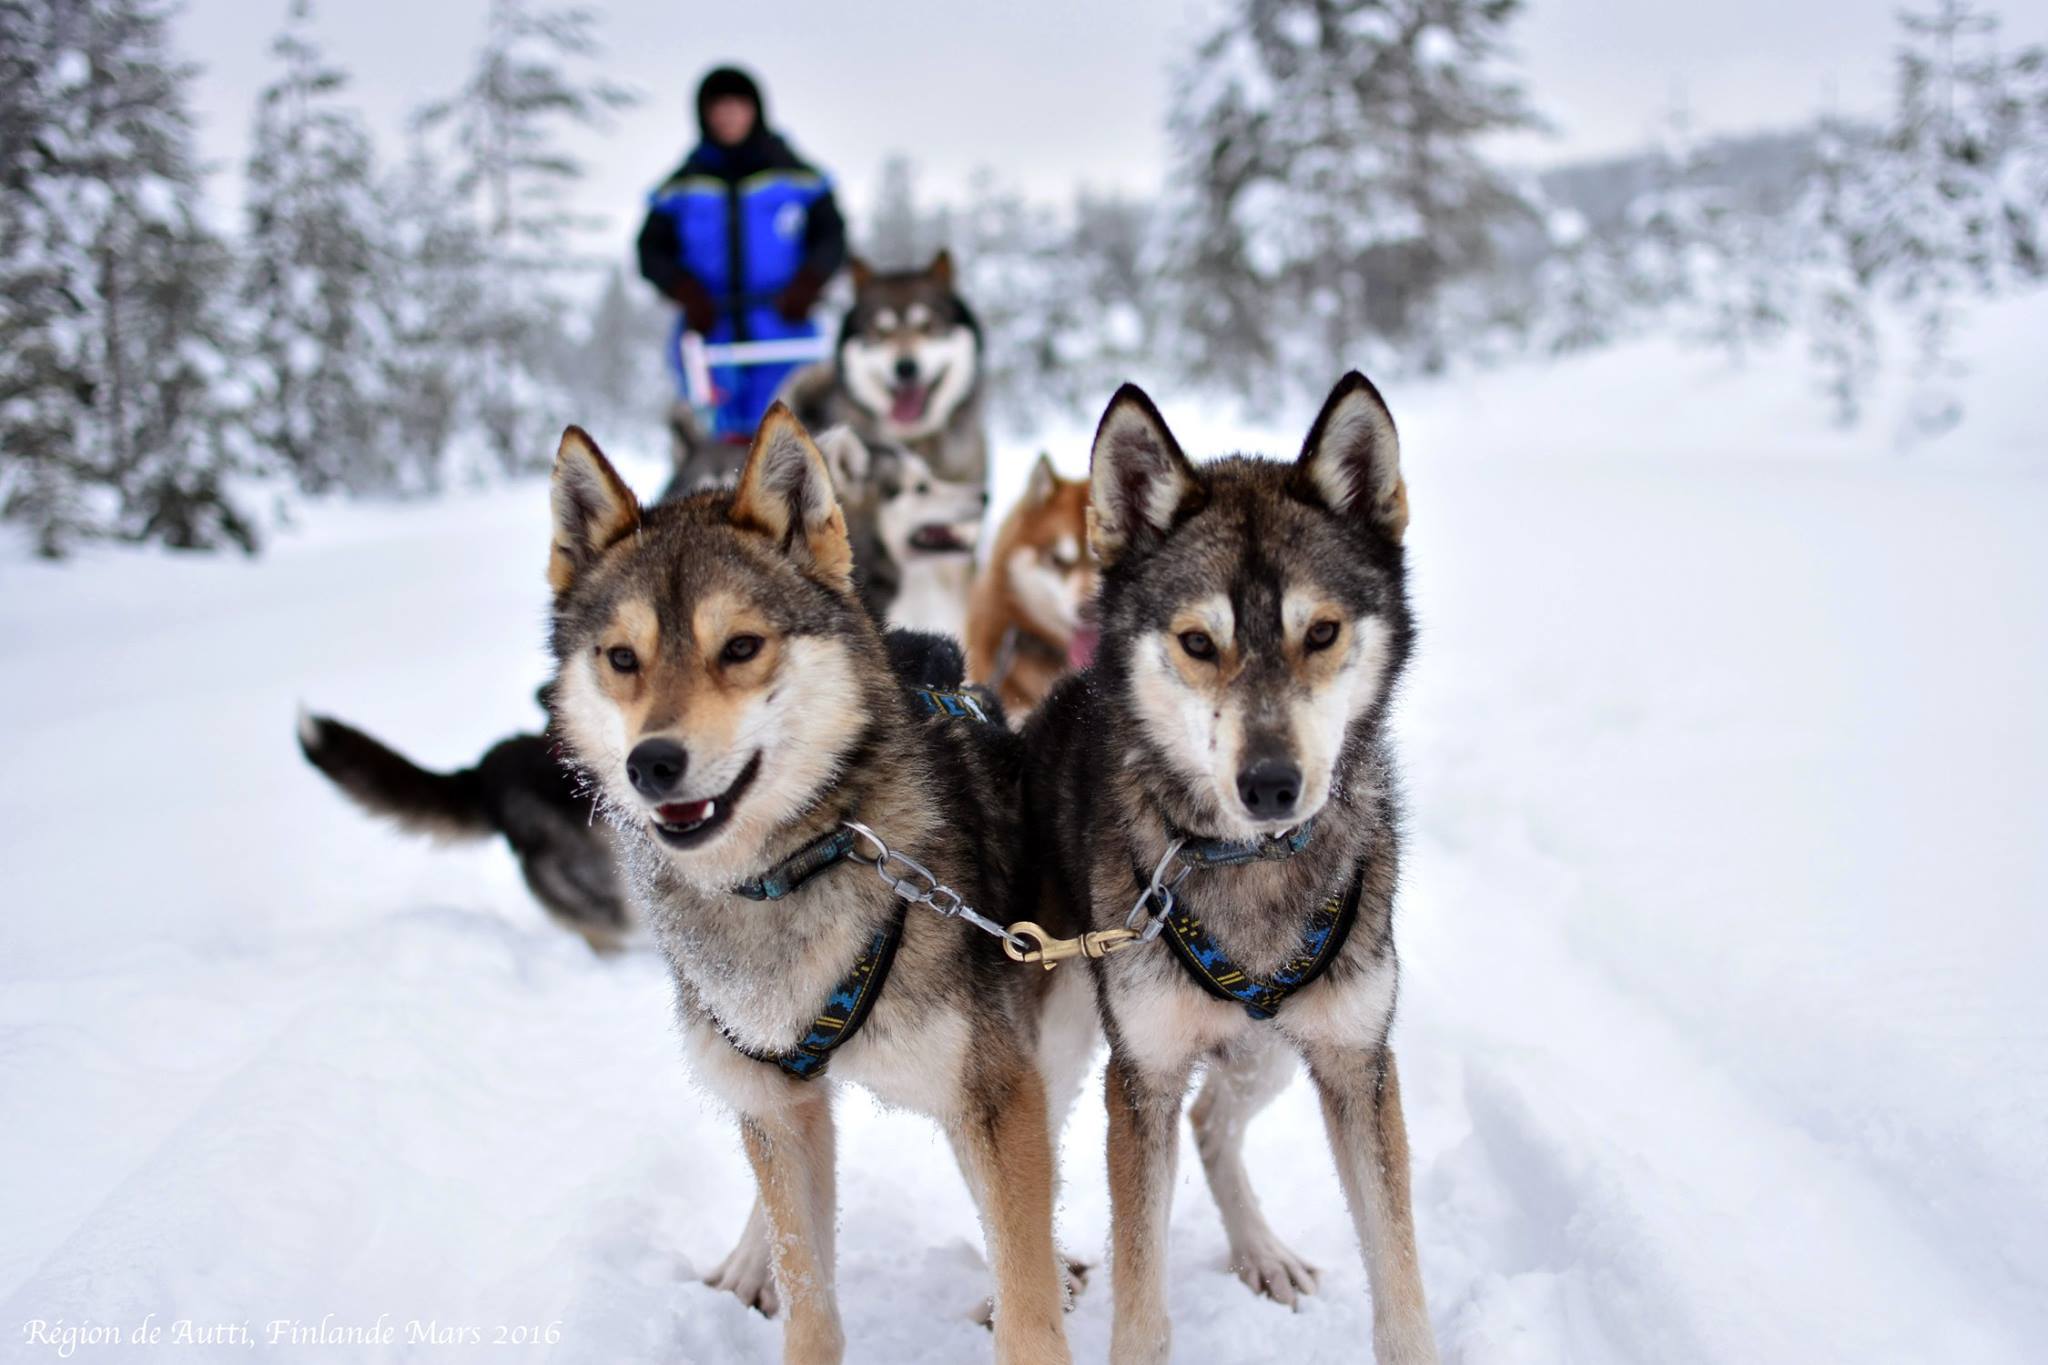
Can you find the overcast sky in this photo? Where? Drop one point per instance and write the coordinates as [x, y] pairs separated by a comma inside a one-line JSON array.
[[1048, 94]]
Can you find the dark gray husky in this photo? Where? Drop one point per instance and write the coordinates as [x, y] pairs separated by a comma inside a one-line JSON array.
[[1221, 780]]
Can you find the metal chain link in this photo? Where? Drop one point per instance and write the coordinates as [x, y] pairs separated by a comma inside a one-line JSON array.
[[1160, 891], [1025, 941], [914, 882]]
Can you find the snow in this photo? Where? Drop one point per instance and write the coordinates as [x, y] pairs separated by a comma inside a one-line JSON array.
[[1721, 1030]]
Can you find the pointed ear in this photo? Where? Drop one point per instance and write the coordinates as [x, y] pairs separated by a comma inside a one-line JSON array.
[[1351, 462], [785, 493], [1045, 481], [860, 270], [941, 268], [1138, 481], [593, 508], [846, 459]]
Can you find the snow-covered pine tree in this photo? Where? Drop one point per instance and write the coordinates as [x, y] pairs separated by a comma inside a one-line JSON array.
[[43, 370], [506, 124], [1834, 269], [1701, 256], [1950, 204], [901, 234], [312, 257], [432, 297], [1328, 153], [119, 413], [1584, 296], [613, 368]]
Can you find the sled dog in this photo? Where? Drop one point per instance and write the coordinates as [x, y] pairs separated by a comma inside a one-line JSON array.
[[1223, 773], [927, 528], [737, 711], [518, 789], [1029, 620], [906, 370]]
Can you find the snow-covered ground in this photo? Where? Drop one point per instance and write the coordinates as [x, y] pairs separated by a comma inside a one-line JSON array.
[[1723, 1031]]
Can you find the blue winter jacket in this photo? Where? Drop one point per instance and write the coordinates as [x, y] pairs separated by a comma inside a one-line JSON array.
[[743, 224]]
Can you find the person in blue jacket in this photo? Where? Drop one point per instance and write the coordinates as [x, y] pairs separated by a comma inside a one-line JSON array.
[[743, 237]]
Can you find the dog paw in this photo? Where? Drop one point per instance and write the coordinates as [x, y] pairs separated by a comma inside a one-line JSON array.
[[1073, 1279], [747, 1276], [1267, 1267], [1075, 1274]]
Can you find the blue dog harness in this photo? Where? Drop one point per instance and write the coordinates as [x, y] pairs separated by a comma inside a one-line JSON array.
[[847, 1008], [1322, 935]]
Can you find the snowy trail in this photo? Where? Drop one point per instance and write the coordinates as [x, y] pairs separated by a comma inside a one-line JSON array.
[[1721, 1035]]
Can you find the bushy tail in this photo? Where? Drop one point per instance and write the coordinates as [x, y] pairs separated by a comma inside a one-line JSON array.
[[384, 782]]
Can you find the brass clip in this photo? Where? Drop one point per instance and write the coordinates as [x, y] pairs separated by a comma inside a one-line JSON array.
[[1052, 951]]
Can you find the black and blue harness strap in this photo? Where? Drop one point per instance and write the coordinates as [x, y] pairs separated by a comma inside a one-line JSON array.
[[802, 865], [846, 1009], [964, 703], [1322, 938]]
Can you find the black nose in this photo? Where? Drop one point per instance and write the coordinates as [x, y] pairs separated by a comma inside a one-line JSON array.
[[906, 370], [655, 766], [1270, 787]]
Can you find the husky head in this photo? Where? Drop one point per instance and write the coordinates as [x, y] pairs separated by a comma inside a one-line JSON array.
[[922, 516], [909, 352], [1254, 613], [1042, 552], [715, 670]]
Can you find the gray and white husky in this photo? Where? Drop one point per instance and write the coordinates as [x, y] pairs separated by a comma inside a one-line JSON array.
[[906, 371], [1229, 744]]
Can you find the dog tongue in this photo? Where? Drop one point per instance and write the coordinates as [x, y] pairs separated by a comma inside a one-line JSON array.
[[1081, 649], [907, 403]]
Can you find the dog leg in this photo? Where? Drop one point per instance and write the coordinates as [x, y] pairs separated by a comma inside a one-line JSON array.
[[792, 1155], [1004, 1146], [1241, 1081], [1361, 1095], [747, 1271], [1144, 1114]]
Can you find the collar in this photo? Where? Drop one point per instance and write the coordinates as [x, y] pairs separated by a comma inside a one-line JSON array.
[[799, 867], [1232, 852]]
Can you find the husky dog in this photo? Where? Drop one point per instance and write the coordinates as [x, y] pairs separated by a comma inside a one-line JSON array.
[[736, 707], [906, 370], [518, 789], [915, 541], [1223, 770], [926, 528], [1028, 622]]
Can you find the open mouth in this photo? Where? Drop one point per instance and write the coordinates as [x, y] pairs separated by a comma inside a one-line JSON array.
[[907, 402], [685, 824], [939, 537]]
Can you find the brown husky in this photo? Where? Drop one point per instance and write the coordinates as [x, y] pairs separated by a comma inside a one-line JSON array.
[[737, 708], [1221, 778], [1028, 619]]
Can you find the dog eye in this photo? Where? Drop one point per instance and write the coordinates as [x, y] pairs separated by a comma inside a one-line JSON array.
[[924, 488], [1197, 644], [1321, 635], [740, 648], [622, 659]]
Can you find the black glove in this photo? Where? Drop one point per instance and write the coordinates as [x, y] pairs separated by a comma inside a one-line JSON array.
[[796, 299], [698, 309]]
